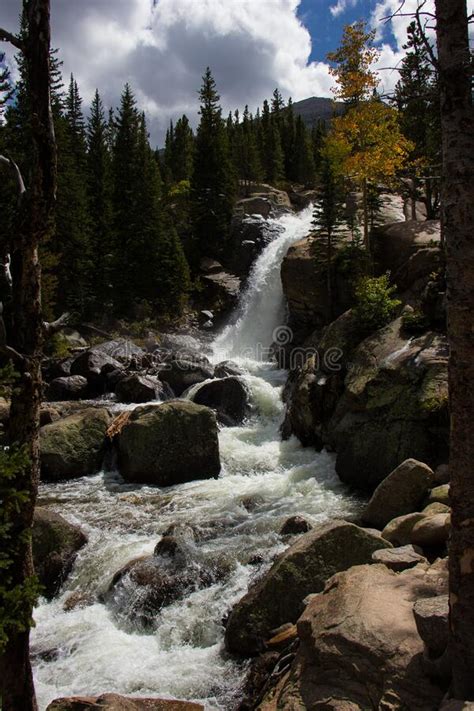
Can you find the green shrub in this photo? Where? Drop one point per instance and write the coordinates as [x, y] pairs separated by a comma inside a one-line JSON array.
[[375, 306], [415, 322]]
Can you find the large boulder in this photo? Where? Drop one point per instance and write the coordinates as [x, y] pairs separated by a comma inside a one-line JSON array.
[[169, 444], [55, 545], [432, 622], [394, 406], [396, 242], [122, 349], [94, 365], [302, 569], [74, 446], [359, 645], [402, 492], [70, 387], [248, 236], [229, 397], [142, 388], [181, 374], [114, 702]]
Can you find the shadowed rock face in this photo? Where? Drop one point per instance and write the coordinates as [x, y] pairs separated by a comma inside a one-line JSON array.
[[228, 396], [169, 444], [302, 569], [359, 645]]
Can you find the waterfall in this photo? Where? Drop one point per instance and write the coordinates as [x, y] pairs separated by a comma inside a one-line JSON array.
[[261, 309], [91, 649]]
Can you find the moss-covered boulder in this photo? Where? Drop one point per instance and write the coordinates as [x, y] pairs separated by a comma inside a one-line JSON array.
[[55, 545], [302, 569], [394, 406], [169, 444], [74, 446]]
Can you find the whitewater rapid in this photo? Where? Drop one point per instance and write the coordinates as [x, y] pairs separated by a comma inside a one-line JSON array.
[[91, 650]]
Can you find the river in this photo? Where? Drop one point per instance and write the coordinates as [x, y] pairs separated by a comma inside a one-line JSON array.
[[91, 650]]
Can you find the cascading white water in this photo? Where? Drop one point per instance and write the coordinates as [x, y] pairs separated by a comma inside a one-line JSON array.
[[262, 309], [90, 650]]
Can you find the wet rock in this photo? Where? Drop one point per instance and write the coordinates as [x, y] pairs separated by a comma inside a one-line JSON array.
[[248, 236], [440, 494], [229, 397], [432, 622], [71, 387], [144, 586], [359, 646], [142, 388], [302, 569], [94, 366], [402, 492], [169, 444], [257, 678], [182, 374], [295, 525], [77, 600], [226, 368], [220, 292], [398, 531], [114, 702], [431, 531], [74, 446], [398, 559], [55, 545]]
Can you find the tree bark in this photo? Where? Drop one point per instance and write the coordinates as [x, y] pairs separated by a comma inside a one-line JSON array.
[[457, 123], [36, 222]]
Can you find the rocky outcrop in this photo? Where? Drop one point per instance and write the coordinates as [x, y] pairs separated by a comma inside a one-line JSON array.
[[305, 290], [114, 702], [71, 387], [402, 492], [142, 388], [229, 397], [396, 242], [181, 374], [55, 545], [169, 444], [394, 406], [359, 645], [302, 569], [74, 446]]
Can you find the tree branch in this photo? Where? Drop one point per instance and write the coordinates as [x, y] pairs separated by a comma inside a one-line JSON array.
[[51, 328], [13, 39], [19, 178]]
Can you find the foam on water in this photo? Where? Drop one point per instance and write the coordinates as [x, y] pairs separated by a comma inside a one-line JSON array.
[[263, 481]]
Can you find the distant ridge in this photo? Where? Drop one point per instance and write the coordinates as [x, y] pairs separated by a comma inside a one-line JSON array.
[[317, 108]]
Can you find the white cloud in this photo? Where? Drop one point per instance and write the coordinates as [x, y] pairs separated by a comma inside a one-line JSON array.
[[341, 6], [163, 48]]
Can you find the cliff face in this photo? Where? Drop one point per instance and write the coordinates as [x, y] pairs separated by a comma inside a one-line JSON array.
[[384, 398]]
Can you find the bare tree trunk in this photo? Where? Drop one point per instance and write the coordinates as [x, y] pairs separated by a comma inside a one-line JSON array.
[[36, 222], [457, 123]]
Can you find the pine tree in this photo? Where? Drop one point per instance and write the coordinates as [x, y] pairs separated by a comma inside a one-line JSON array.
[[417, 99], [288, 141], [71, 244], [213, 182], [183, 150], [125, 171], [100, 203], [328, 215], [304, 169], [6, 88]]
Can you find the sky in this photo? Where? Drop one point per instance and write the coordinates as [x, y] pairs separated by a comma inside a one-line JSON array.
[[162, 48]]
